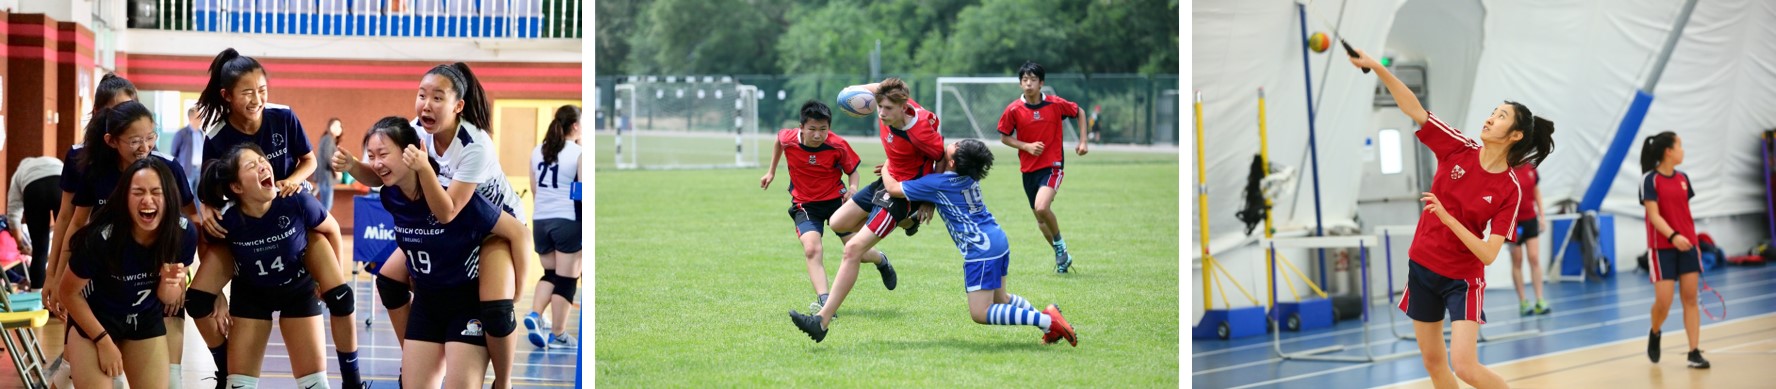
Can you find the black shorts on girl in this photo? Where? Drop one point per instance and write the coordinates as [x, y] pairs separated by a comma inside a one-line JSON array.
[[1429, 295], [447, 315]]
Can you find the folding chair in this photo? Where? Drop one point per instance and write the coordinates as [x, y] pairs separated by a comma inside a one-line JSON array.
[[20, 323]]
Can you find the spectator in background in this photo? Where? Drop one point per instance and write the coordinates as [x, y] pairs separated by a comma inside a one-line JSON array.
[[328, 142], [32, 201], [188, 147]]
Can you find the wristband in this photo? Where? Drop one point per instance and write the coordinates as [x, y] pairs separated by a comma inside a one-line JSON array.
[[1673, 237], [102, 335]]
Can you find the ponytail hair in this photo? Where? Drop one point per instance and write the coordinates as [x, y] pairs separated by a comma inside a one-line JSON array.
[[110, 87], [225, 70], [556, 138], [112, 121], [1652, 150], [476, 109], [213, 188], [1537, 141], [398, 131]]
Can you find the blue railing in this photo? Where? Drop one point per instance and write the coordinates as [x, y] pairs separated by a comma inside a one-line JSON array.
[[531, 19]]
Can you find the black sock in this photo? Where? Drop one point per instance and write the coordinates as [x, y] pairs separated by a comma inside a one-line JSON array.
[[348, 369], [220, 354], [823, 298]]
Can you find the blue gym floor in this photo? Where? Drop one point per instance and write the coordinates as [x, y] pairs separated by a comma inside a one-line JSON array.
[[1585, 314], [379, 353]]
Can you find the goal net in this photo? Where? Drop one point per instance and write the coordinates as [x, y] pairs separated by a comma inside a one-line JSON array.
[[970, 106], [693, 123]]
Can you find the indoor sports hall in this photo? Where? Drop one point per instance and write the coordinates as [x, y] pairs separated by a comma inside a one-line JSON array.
[[1352, 200], [356, 61]]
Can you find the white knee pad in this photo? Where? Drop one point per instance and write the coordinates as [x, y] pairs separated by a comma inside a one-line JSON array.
[[242, 381], [313, 381]]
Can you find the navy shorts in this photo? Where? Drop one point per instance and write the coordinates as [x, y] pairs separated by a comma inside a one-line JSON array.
[[554, 235], [985, 274], [1428, 295], [1668, 264], [288, 302], [1528, 229], [439, 316], [885, 212], [812, 216], [141, 326], [1034, 181]]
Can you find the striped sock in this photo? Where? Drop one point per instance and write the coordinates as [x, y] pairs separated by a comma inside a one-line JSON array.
[[1008, 315], [1019, 301]]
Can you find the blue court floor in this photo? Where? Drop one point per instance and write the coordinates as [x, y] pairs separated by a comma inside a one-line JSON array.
[[1585, 315], [379, 353]]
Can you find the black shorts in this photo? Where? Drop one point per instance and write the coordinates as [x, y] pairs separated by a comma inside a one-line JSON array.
[[141, 326], [554, 235], [1528, 229], [885, 212], [439, 316], [1668, 264], [1034, 181], [287, 301], [1428, 295], [813, 215]]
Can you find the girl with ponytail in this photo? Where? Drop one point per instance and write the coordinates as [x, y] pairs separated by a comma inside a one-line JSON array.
[[1671, 239], [452, 114], [235, 109], [1474, 190]]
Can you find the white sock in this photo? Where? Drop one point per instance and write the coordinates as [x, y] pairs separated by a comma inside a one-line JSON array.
[[242, 381], [175, 376], [313, 381], [1019, 301], [1006, 314]]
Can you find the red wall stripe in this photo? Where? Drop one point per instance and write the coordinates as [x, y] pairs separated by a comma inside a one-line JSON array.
[[197, 82], [398, 69]]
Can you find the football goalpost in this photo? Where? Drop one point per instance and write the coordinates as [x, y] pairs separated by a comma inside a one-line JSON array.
[[690, 123], [970, 106]]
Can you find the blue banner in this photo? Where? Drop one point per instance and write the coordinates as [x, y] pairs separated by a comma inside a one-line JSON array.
[[373, 230]]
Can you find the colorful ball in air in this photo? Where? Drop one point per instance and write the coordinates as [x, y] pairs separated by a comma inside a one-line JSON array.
[[1319, 42]]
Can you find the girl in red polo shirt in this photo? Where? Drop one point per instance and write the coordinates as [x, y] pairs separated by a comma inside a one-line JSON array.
[[1469, 213], [1666, 193]]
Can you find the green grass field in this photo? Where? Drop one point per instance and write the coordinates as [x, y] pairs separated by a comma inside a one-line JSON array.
[[696, 270]]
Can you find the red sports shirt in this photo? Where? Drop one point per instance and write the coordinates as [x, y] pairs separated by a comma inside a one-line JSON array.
[[1039, 123], [913, 150], [1528, 177], [1673, 193], [815, 173], [1479, 200]]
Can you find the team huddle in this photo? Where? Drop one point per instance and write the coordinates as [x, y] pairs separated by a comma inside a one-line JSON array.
[[923, 176], [118, 274]]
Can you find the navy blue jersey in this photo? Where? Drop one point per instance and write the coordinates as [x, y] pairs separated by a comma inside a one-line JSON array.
[[280, 136], [268, 249], [97, 183], [70, 181], [958, 200], [440, 255], [130, 291]]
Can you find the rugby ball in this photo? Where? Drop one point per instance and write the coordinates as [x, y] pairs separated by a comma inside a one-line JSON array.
[[857, 102]]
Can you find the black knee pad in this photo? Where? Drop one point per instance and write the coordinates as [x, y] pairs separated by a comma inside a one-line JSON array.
[[565, 287], [394, 294], [548, 276], [340, 301], [200, 303], [496, 318]]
